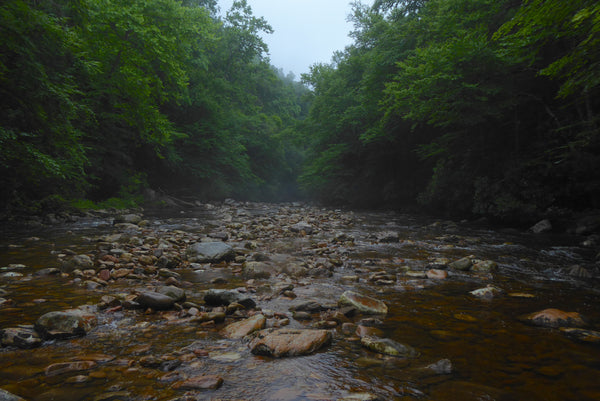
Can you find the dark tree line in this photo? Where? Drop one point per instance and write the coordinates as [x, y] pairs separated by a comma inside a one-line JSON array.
[[100, 98], [462, 106], [485, 107]]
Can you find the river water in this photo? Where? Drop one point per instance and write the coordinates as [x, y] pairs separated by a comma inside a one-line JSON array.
[[494, 355]]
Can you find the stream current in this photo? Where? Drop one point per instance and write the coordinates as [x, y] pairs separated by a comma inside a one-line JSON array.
[[494, 355]]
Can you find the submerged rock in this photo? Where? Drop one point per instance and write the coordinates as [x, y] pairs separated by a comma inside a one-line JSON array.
[[244, 327], [463, 264], [554, 318], [155, 300], [289, 342], [81, 262], [210, 252], [6, 396], [66, 324], [485, 266], [587, 336], [22, 337], [176, 293], [388, 347], [364, 304], [543, 226], [203, 382], [487, 293], [68, 367], [225, 297]]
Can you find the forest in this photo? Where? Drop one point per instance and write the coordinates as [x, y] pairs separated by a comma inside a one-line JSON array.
[[455, 107]]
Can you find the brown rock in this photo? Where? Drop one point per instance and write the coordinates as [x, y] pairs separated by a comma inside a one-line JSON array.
[[67, 367], [363, 303], [555, 318], [289, 342], [244, 327], [437, 274], [205, 382]]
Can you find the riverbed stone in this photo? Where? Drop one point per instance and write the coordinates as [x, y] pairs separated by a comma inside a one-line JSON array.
[[258, 270], [155, 300], [388, 346], [21, 337], [66, 324], [178, 294], [215, 297], [302, 227], [363, 303], [81, 262], [7, 396], [487, 293], [202, 382], [554, 318], [463, 264], [587, 336], [485, 266], [244, 327], [68, 367], [210, 252], [289, 342], [437, 274], [542, 226]]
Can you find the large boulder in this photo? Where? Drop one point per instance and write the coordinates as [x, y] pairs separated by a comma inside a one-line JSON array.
[[289, 342], [215, 297], [210, 252], [363, 304], [244, 327], [66, 324]]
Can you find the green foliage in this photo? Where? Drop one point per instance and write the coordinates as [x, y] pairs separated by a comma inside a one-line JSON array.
[[464, 106], [103, 98]]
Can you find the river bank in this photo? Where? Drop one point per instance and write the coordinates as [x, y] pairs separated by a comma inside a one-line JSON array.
[[174, 304]]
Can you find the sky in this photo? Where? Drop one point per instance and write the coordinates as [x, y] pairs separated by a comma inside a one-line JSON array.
[[305, 31]]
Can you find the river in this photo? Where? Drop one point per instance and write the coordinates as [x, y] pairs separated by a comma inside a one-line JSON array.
[[316, 254]]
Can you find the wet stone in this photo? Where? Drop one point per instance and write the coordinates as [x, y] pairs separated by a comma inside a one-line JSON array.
[[155, 300], [388, 347], [485, 266], [216, 297], [6, 396], [487, 293], [363, 304], [21, 337], [176, 293], [65, 324], [462, 264], [243, 328], [437, 274], [68, 367], [210, 252], [289, 342], [204, 382], [587, 336], [554, 318]]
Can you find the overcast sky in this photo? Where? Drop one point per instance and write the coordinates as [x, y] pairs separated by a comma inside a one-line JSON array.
[[306, 31]]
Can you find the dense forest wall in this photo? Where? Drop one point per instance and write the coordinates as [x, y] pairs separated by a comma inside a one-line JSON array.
[[462, 107], [479, 107]]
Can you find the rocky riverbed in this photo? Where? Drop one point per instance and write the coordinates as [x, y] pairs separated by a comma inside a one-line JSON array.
[[247, 301]]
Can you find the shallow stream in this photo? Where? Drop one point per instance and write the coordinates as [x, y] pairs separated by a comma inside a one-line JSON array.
[[494, 355]]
